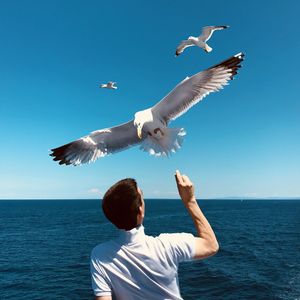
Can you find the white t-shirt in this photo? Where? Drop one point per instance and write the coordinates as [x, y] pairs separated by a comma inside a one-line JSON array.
[[136, 266]]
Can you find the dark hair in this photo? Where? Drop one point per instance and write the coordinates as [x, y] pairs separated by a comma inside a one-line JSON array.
[[121, 204]]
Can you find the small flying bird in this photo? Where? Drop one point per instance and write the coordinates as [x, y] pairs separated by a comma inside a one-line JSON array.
[[199, 41], [109, 85], [149, 128]]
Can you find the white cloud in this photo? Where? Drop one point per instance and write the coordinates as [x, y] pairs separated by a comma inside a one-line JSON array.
[[94, 191]]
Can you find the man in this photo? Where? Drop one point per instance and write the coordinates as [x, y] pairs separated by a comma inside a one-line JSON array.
[[138, 266]]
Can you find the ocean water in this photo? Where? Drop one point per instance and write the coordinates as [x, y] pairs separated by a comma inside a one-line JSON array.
[[45, 248]]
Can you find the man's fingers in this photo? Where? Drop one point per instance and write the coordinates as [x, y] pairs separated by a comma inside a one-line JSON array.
[[182, 179], [177, 173], [186, 180], [178, 177]]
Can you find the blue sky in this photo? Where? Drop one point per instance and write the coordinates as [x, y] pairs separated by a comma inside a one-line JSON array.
[[243, 141]]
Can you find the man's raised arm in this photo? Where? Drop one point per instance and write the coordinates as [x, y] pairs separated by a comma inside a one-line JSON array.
[[206, 242]]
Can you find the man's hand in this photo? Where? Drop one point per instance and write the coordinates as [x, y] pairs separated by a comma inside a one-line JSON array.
[[185, 188]]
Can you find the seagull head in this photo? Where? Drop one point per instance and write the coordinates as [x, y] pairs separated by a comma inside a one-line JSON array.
[[139, 127], [140, 118]]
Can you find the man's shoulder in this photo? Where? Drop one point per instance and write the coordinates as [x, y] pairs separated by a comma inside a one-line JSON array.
[[167, 240], [174, 236], [103, 248], [180, 245]]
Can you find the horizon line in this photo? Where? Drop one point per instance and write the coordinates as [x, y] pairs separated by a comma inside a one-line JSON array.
[[216, 198]]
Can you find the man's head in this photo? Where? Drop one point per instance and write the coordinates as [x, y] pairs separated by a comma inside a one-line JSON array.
[[123, 204]]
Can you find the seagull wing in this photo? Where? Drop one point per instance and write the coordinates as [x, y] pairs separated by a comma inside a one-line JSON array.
[[208, 31], [184, 44], [97, 144], [193, 89]]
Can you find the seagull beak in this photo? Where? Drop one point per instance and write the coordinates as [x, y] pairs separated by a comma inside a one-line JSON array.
[[139, 132]]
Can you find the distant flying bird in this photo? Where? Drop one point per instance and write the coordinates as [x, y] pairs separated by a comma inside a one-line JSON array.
[[109, 85], [199, 41], [149, 128]]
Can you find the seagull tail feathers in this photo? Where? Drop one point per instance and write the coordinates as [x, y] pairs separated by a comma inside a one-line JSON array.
[[168, 144]]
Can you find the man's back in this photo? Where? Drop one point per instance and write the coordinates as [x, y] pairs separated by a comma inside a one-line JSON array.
[[137, 266]]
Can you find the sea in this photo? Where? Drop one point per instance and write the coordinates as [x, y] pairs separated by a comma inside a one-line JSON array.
[[45, 247]]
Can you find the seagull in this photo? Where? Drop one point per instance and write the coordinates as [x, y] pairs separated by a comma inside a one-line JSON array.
[[149, 128], [109, 85], [199, 41]]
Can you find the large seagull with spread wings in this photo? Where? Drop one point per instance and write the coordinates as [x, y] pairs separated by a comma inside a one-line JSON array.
[[149, 128]]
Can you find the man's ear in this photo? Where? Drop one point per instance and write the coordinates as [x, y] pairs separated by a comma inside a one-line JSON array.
[[141, 211]]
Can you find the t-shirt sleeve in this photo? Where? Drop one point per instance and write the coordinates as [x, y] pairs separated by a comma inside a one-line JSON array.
[[100, 284], [180, 245]]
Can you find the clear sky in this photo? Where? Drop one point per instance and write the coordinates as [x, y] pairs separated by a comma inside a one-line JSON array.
[[243, 141]]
